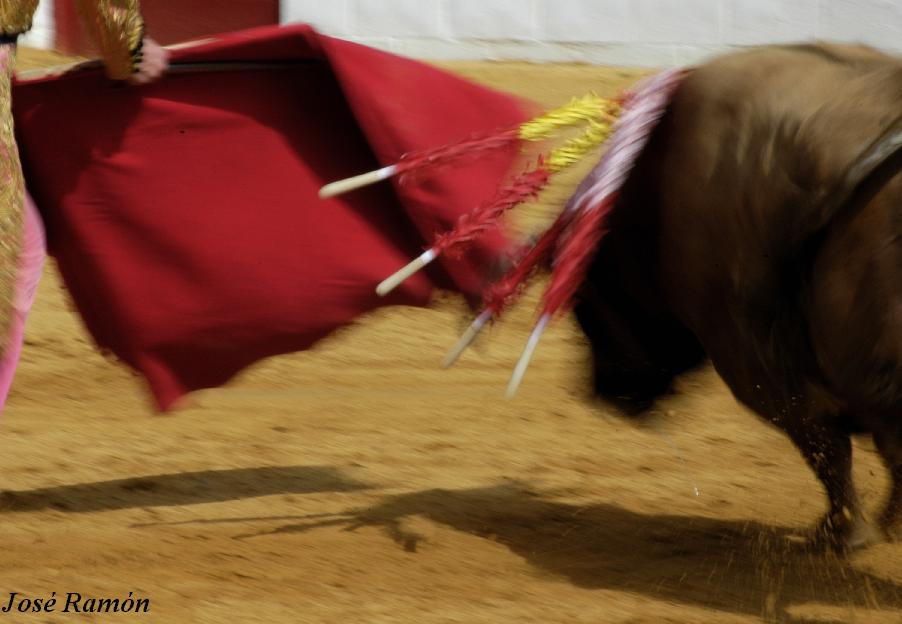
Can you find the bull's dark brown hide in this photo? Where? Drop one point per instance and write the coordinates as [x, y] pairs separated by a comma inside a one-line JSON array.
[[762, 228]]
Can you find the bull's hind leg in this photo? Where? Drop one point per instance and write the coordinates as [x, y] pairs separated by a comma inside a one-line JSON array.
[[889, 443], [828, 450]]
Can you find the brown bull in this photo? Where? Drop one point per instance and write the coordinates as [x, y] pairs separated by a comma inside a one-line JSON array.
[[762, 227]]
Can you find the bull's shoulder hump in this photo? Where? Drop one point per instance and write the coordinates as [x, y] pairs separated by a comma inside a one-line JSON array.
[[845, 53], [805, 52], [798, 77]]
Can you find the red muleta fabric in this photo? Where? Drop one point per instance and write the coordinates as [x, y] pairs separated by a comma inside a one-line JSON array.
[[184, 215]]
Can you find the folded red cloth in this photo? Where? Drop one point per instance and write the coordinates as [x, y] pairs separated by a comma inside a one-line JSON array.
[[184, 215]]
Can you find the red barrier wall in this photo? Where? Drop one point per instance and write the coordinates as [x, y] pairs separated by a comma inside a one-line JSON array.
[[172, 21]]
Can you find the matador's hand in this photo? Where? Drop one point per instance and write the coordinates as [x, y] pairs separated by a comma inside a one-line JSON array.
[[154, 62]]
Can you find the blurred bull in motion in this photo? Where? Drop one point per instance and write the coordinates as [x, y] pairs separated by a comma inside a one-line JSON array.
[[762, 228]]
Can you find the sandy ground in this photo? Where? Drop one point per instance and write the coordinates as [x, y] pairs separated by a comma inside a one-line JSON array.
[[359, 482]]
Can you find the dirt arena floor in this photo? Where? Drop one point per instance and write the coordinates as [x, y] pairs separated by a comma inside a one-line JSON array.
[[359, 482]]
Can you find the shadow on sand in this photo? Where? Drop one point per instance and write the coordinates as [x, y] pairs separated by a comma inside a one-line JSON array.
[[184, 488], [732, 566]]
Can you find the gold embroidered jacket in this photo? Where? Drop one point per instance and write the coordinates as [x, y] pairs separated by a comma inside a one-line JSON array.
[[118, 31], [115, 26]]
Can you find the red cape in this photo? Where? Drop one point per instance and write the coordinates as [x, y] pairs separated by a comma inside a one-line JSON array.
[[184, 215]]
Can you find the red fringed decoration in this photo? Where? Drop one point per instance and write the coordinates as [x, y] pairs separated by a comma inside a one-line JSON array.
[[592, 203], [597, 195], [502, 293], [574, 254], [591, 111], [525, 186], [474, 147]]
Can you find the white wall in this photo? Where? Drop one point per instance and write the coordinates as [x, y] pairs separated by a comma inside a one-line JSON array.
[[621, 32], [41, 33], [617, 32]]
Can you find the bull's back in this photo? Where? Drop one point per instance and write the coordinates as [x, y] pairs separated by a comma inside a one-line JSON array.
[[751, 154]]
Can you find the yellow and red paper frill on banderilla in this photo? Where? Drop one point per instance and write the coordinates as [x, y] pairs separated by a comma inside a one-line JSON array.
[[570, 242]]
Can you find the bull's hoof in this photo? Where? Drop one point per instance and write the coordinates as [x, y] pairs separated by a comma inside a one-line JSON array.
[[843, 533]]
